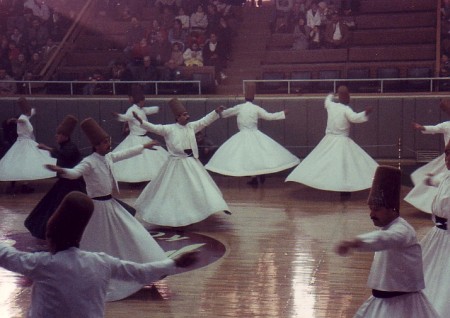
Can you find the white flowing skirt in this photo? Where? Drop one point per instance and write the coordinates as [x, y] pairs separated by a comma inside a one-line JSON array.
[[421, 195], [435, 166], [415, 305], [251, 153], [140, 168], [25, 161], [337, 163], [114, 231], [183, 193], [436, 266]]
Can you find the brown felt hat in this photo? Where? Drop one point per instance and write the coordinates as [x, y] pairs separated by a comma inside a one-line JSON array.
[[24, 106], [67, 126], [177, 107], [250, 90], [93, 131], [66, 226], [445, 106], [385, 191], [343, 95]]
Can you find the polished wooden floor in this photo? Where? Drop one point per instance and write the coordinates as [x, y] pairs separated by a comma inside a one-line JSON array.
[[279, 260]]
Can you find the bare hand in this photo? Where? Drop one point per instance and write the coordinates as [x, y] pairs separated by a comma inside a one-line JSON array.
[[44, 147], [369, 110], [418, 126], [139, 119], [115, 115], [220, 109], [429, 179], [186, 259], [286, 111], [151, 144], [54, 168], [344, 247]]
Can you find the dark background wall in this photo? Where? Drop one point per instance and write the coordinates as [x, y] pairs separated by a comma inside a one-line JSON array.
[[302, 130]]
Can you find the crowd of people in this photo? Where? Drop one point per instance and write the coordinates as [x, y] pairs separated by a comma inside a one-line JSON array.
[[189, 33], [29, 33], [315, 24], [198, 33]]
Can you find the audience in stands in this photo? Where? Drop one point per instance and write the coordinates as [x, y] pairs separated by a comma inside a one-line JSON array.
[[294, 15], [138, 51], [134, 34], [6, 86], [336, 33], [167, 17], [121, 72], [146, 72], [19, 67], [177, 34], [177, 54], [95, 88], [160, 49], [171, 72], [193, 55], [199, 20], [184, 19], [214, 54], [301, 35]]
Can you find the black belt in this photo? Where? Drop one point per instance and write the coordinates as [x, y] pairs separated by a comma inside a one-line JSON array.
[[127, 207], [441, 223], [103, 198], [387, 294], [188, 152]]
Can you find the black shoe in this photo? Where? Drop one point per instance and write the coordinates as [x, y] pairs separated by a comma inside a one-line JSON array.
[[26, 189], [10, 190], [253, 182], [227, 212], [262, 179]]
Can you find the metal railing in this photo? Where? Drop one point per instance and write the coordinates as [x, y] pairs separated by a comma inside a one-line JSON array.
[[192, 87], [378, 85]]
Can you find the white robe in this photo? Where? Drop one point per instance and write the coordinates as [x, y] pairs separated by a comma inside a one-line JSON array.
[[421, 195], [436, 248], [397, 266], [250, 152], [145, 166], [112, 229], [24, 160], [337, 163], [183, 193], [73, 283]]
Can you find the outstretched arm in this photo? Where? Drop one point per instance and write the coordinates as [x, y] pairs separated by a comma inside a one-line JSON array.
[[344, 248]]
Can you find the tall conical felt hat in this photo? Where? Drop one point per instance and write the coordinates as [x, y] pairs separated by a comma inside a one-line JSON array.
[[344, 95], [67, 126], [24, 105], [445, 106], [385, 191], [177, 107], [66, 226], [250, 90], [93, 131]]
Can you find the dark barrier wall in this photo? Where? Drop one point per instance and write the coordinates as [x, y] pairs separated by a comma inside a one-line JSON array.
[[304, 127]]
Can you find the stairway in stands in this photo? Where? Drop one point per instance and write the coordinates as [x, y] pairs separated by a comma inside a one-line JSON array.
[[248, 49]]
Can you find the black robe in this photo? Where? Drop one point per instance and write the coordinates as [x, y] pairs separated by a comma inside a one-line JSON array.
[[67, 156]]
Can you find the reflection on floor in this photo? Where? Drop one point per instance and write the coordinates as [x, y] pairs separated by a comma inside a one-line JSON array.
[[279, 259]]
